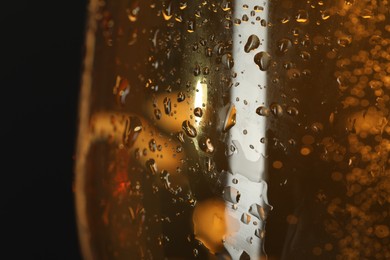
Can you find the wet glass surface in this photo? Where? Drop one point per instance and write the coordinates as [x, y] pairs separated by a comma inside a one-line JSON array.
[[235, 130]]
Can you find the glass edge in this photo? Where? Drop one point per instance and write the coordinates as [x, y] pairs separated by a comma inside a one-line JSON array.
[[82, 144]]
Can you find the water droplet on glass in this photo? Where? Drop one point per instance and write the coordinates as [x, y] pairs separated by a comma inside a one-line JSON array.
[[292, 111], [276, 109], [182, 5], [164, 176], [167, 105], [181, 97], [133, 128], [227, 59], [151, 166], [189, 129], [191, 26], [226, 5], [152, 145], [285, 19], [305, 55], [302, 16], [263, 60], [210, 165], [198, 112], [209, 52], [197, 70], [206, 145], [180, 137], [157, 113], [245, 218], [366, 13], [252, 43], [325, 15], [167, 10], [283, 45], [230, 119], [344, 40], [258, 8], [178, 18], [295, 32], [132, 14], [263, 111]]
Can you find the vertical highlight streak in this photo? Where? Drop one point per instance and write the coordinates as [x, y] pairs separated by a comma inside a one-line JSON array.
[[245, 190]]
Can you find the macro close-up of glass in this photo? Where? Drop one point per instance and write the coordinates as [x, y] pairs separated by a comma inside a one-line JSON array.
[[235, 129]]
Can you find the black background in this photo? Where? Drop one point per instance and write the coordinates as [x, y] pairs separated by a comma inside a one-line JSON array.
[[41, 63]]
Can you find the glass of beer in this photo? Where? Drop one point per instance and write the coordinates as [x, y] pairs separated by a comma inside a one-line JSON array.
[[235, 129]]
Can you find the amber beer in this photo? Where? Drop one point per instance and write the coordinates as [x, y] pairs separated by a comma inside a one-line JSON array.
[[235, 129]]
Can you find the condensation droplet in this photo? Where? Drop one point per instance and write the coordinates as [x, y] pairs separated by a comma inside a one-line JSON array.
[[209, 52], [230, 119], [183, 5], [195, 252], [191, 26], [181, 97], [206, 145], [292, 111], [258, 8], [344, 40], [325, 15], [180, 137], [263, 111], [167, 10], [226, 5], [132, 14], [167, 105], [305, 55], [227, 59], [151, 166], [252, 43], [276, 109], [189, 129], [302, 16], [198, 112], [283, 45], [263, 60], [152, 145], [157, 113], [133, 128]]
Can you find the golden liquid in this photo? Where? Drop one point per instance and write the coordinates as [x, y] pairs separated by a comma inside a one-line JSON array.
[[152, 137]]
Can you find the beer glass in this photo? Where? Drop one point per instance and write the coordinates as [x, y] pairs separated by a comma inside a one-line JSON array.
[[235, 129]]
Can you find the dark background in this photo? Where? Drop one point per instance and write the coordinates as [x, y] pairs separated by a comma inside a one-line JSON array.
[[41, 63]]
